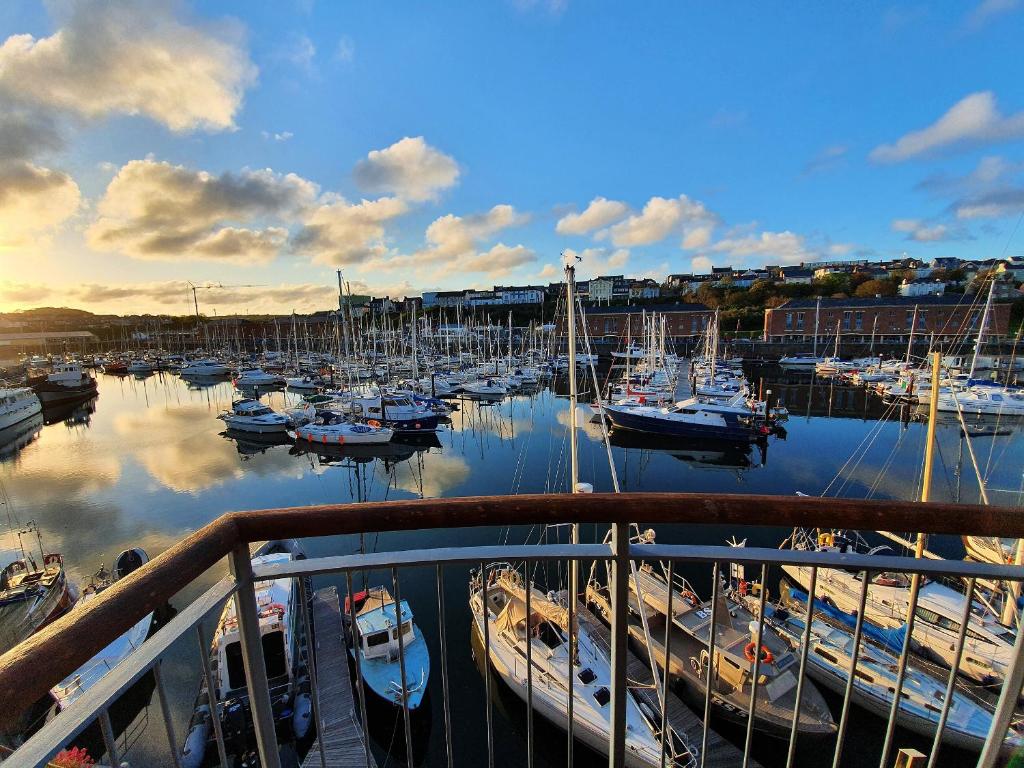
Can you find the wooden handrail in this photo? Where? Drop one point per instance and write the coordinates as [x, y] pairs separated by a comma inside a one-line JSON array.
[[28, 671]]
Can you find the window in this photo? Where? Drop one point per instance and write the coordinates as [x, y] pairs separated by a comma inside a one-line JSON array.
[[909, 320], [587, 676], [846, 320], [789, 321], [602, 696], [273, 656], [859, 321], [693, 325], [377, 638], [800, 321]]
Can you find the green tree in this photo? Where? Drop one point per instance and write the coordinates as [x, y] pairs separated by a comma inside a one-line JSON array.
[[876, 288]]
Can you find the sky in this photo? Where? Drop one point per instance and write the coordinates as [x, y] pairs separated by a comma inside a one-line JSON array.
[[255, 148]]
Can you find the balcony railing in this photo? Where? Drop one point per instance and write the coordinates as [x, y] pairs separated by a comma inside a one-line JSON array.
[[30, 670]]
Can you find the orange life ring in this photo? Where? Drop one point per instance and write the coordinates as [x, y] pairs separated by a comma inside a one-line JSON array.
[[766, 655], [691, 598], [373, 423]]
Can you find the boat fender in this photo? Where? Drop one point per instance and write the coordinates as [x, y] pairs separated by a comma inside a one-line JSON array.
[[691, 598], [766, 655], [374, 423], [195, 745], [302, 716]]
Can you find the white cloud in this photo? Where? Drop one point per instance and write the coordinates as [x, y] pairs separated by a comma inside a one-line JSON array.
[[987, 10], [549, 272], [993, 189], [33, 201], [700, 265], [410, 168], [340, 233], [498, 260], [345, 52], [973, 120], [600, 213], [282, 136], [453, 236], [697, 237], [300, 52], [921, 232], [828, 158], [597, 261], [155, 210], [782, 247], [119, 57], [660, 218]]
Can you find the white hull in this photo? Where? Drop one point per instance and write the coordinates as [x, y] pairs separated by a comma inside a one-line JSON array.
[[18, 410]]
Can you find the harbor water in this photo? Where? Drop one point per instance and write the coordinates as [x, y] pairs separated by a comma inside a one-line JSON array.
[[147, 462]]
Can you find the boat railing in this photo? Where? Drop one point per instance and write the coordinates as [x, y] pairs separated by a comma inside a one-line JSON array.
[[73, 640]]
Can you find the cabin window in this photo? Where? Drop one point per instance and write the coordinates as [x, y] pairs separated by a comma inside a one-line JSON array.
[[586, 676], [406, 629], [377, 638], [549, 635], [273, 656], [602, 696]]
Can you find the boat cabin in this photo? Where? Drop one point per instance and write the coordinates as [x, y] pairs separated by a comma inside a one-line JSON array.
[[378, 630]]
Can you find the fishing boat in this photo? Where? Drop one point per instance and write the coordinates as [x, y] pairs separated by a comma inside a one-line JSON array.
[[32, 596], [688, 419], [249, 415], [285, 649], [395, 411], [377, 643], [545, 627], [78, 682], [116, 367], [339, 429], [735, 656], [67, 381], [830, 658], [17, 405]]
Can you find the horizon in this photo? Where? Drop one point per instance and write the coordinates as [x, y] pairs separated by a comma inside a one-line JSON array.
[[146, 145]]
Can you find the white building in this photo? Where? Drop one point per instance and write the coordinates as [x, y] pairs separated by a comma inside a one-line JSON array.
[[922, 287]]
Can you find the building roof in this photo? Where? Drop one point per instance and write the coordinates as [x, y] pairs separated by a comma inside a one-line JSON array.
[[634, 309], [885, 301], [41, 335]]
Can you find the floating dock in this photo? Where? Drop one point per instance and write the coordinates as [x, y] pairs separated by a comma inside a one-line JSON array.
[[682, 719], [340, 724]]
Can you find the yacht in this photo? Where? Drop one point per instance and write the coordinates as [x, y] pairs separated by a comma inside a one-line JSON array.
[[393, 410], [687, 418], [17, 405], [376, 642], [285, 651], [257, 377], [140, 365], [802, 361], [546, 630], [32, 596], [204, 368], [78, 682], [338, 429], [250, 415], [485, 388], [67, 381]]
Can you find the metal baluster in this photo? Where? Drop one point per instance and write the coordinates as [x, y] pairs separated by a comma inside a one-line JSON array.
[[401, 666], [1005, 706], [444, 665], [951, 682], [890, 729], [252, 657], [804, 648], [715, 577], [529, 667], [165, 709], [619, 640], [211, 695], [857, 630], [757, 666], [487, 667], [311, 661], [572, 669], [667, 665], [109, 742], [356, 645]]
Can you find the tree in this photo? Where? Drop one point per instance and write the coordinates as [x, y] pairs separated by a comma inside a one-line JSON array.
[[876, 288]]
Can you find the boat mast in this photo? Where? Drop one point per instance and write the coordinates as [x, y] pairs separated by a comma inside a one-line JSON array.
[[817, 312], [910, 341], [981, 326]]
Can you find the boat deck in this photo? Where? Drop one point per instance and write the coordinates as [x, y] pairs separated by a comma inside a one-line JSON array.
[[680, 717], [342, 731]]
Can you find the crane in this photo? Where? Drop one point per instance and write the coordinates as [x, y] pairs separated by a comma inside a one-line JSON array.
[[208, 286]]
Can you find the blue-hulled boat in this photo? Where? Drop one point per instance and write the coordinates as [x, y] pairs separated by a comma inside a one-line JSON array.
[[376, 641], [687, 418]]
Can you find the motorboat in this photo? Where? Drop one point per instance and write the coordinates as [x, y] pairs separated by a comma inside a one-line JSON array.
[[116, 368], [982, 400], [339, 429], [801, 361], [285, 654], [249, 415], [988, 648], [546, 627], [376, 640], [79, 681], [257, 377], [204, 368], [485, 388], [17, 405], [736, 651], [67, 381], [140, 365], [32, 596], [686, 418], [305, 383], [393, 410], [830, 657]]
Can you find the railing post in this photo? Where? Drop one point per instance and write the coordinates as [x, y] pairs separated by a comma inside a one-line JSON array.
[[620, 637], [252, 657]]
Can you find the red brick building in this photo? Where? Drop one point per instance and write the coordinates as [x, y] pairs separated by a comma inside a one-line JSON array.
[[889, 318], [681, 320]]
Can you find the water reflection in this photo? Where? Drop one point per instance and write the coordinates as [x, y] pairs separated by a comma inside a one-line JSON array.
[[17, 436]]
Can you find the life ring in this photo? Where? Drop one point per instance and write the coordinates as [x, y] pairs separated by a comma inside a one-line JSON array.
[[374, 423], [749, 655], [691, 598]]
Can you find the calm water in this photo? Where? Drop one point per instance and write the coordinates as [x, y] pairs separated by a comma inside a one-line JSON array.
[[146, 463]]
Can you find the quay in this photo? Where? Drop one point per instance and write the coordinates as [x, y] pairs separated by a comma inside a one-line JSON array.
[[340, 741]]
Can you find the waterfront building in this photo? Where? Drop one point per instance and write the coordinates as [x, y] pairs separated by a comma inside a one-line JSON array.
[[681, 320]]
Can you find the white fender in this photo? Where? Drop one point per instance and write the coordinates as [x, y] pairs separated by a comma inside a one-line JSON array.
[[302, 715], [195, 745]]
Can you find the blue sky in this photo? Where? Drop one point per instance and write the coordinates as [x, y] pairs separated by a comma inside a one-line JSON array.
[[416, 147]]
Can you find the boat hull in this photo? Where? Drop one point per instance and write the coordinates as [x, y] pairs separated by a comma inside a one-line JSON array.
[[623, 419]]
